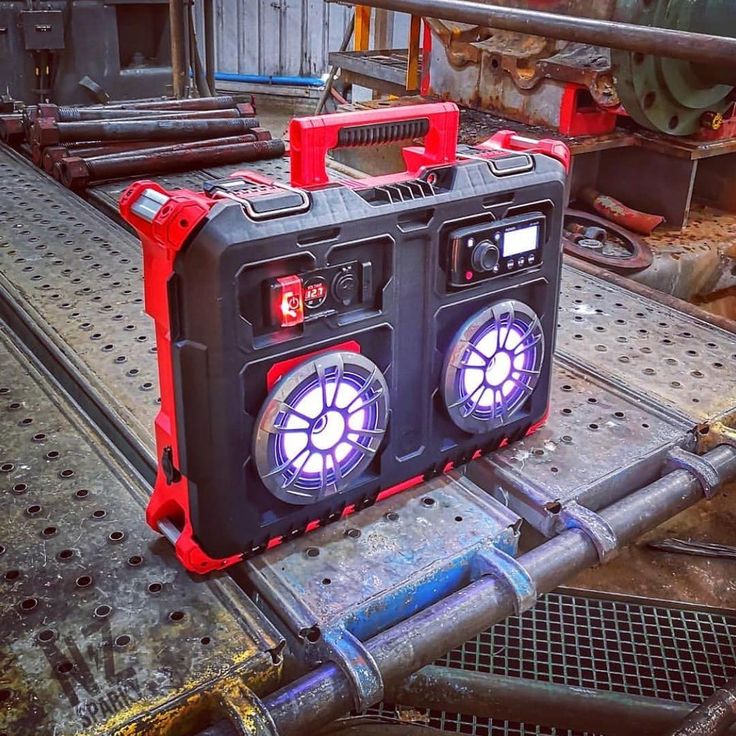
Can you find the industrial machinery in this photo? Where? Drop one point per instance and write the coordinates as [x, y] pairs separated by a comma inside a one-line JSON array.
[[578, 88], [82, 52], [326, 346]]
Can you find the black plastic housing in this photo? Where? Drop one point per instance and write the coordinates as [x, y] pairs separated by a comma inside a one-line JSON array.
[[225, 343]]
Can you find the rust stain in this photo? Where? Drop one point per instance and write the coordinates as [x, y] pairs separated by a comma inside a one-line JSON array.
[[195, 704]]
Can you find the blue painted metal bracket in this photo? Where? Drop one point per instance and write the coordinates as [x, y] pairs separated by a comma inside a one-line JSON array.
[[702, 469], [496, 563], [599, 531], [339, 646]]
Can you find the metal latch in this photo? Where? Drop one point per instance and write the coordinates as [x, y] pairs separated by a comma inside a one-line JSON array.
[[260, 200]]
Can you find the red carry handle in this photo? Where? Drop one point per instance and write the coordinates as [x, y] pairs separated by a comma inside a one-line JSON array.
[[508, 140], [311, 138]]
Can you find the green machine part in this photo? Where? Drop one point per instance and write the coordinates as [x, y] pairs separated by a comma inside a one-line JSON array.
[[669, 95]]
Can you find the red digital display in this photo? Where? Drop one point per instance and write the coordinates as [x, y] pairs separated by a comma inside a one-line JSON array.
[[315, 292]]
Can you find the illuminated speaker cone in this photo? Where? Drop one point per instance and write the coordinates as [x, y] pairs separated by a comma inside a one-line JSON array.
[[492, 366], [320, 427]]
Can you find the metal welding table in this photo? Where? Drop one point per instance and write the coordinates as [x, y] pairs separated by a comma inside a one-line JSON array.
[[633, 378]]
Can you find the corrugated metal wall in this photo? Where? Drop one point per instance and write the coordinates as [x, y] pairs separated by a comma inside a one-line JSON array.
[[284, 37]]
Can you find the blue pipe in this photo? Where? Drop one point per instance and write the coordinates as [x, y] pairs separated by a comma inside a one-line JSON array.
[[268, 79]]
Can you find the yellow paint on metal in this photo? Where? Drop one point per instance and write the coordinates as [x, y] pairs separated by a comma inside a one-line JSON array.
[[412, 67], [198, 703], [362, 32]]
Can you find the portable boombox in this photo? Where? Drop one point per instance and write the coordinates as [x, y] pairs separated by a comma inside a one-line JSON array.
[[323, 345]]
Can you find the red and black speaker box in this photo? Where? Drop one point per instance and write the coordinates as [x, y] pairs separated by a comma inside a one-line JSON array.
[[322, 345]]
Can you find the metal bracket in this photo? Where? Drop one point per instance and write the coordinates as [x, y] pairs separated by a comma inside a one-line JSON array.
[[339, 646], [702, 469], [493, 561], [600, 532], [244, 709]]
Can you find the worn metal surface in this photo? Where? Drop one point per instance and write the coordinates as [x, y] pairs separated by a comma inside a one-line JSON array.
[[353, 574], [99, 624], [652, 350], [697, 261], [75, 280], [541, 474]]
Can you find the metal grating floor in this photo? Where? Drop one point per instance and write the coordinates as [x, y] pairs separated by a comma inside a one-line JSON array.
[[71, 279], [622, 645], [97, 618], [651, 349]]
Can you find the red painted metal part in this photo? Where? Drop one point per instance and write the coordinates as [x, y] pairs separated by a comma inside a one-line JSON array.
[[617, 212], [313, 137], [162, 238], [576, 120]]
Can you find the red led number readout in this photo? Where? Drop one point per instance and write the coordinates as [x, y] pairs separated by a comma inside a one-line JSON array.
[[315, 292]]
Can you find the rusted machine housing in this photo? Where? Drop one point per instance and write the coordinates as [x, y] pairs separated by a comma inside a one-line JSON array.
[[576, 88]]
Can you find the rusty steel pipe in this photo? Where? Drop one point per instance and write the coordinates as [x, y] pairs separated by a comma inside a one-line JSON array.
[[53, 154], [77, 114], [76, 173], [714, 717], [178, 48], [219, 102], [698, 48], [49, 132]]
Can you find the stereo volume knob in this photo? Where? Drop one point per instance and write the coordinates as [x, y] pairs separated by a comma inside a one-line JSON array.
[[484, 256]]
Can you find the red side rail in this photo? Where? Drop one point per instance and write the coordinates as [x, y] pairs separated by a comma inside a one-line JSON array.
[[162, 237]]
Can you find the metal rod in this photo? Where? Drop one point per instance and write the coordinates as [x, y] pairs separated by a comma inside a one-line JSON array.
[[77, 173], [699, 48], [332, 71], [135, 130], [714, 716], [325, 694], [200, 78], [53, 154], [78, 114], [178, 47], [552, 705], [199, 103], [208, 12]]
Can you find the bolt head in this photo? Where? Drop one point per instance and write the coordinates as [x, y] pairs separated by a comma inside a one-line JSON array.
[[74, 173], [45, 132]]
